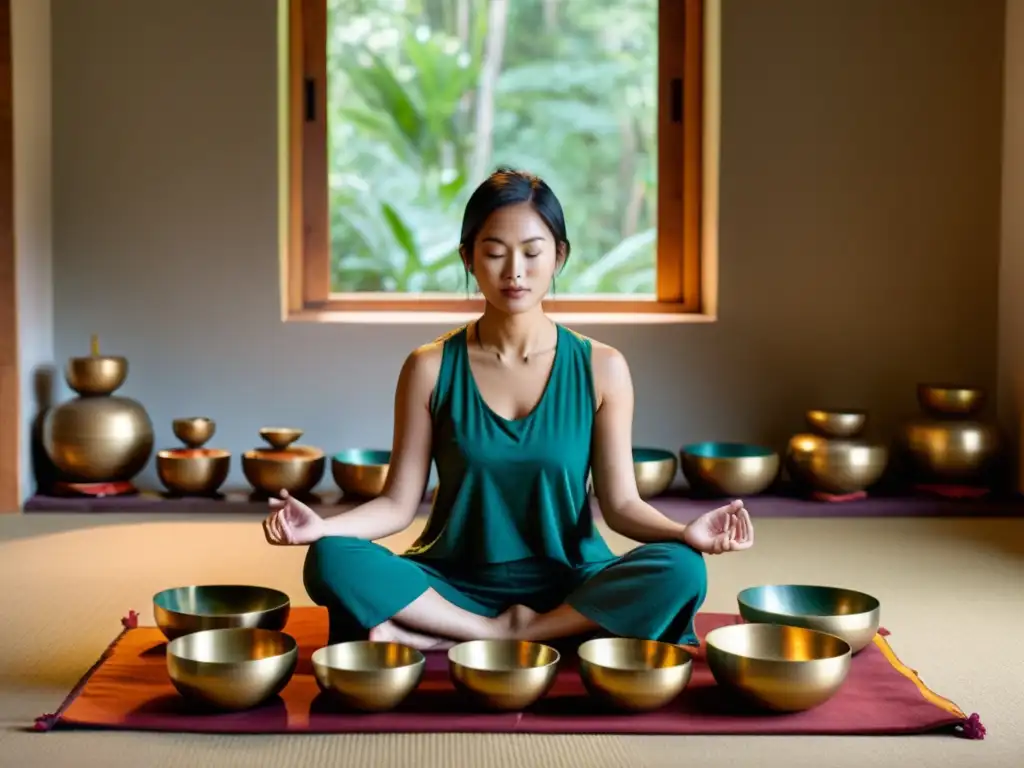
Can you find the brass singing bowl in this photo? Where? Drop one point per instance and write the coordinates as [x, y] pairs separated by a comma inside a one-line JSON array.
[[181, 611], [280, 437], [232, 669], [778, 667], [853, 616], [951, 451], [655, 469], [368, 676], [634, 675], [98, 439], [504, 675], [96, 375], [950, 399], [193, 471], [194, 431], [835, 466], [361, 472], [836, 423], [729, 469], [297, 469]]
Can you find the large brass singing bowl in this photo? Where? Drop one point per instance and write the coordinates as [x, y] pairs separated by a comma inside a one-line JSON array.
[[194, 431], [729, 469], [634, 675], [193, 471], [96, 375], [836, 423], [504, 675], [853, 616], [950, 399], [944, 451], [361, 472], [835, 466], [232, 669], [98, 439], [280, 437], [778, 667], [655, 469], [368, 676], [297, 470], [183, 610]]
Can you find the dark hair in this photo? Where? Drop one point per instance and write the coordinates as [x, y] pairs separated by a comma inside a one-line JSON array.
[[507, 187]]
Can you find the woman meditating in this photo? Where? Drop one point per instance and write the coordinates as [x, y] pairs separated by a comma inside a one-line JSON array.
[[514, 410]]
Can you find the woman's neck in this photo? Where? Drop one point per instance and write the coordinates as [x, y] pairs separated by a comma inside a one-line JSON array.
[[515, 336]]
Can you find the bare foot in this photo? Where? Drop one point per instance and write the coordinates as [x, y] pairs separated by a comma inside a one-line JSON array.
[[389, 632], [514, 623]]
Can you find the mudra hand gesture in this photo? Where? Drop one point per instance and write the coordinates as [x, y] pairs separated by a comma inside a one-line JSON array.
[[292, 522], [726, 529]]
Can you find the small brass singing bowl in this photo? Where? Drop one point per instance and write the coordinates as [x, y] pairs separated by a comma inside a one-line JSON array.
[[853, 616], [193, 471], [506, 675], [183, 610], [833, 465], [280, 437], [729, 469], [297, 469], [232, 669], [96, 375], [634, 675], [778, 667], [361, 472], [368, 676], [194, 431], [655, 469], [950, 399], [836, 423]]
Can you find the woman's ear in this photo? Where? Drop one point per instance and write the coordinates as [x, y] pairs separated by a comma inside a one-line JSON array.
[[467, 259], [561, 255]]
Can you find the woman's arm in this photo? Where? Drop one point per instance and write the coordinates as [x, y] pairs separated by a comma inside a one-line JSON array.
[[614, 480], [394, 510]]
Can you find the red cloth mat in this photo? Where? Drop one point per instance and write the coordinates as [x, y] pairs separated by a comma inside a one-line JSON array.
[[128, 689]]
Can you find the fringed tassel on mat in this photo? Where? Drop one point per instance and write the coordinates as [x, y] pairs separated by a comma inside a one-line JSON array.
[[971, 728], [47, 721]]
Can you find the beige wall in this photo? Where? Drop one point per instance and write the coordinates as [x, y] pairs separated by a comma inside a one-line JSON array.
[[30, 30], [1011, 268], [859, 223]]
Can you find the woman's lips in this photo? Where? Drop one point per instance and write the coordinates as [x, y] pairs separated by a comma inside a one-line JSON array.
[[514, 293]]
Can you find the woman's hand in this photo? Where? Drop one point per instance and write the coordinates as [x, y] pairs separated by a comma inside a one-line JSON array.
[[292, 522], [726, 529]]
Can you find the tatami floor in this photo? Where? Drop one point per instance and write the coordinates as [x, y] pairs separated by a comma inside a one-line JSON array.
[[951, 592]]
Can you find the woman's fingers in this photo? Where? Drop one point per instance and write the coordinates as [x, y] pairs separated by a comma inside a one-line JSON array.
[[748, 526]]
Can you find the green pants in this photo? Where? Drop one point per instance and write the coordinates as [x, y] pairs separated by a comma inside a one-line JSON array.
[[652, 592]]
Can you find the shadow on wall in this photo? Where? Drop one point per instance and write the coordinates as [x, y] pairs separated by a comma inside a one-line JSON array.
[[44, 472]]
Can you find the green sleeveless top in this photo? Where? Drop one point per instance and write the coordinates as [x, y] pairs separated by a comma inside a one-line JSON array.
[[512, 489]]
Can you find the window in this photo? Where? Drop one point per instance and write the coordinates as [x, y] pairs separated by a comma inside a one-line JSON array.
[[397, 109]]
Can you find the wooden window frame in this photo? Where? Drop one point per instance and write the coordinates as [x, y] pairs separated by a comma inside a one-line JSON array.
[[681, 279]]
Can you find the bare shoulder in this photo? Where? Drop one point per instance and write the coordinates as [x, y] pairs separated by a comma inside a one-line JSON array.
[[610, 369], [423, 364]]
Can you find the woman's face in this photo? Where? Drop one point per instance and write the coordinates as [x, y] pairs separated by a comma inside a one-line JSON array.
[[515, 258]]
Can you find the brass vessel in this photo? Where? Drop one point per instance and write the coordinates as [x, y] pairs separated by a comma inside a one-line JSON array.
[[368, 676], [634, 675], [729, 469], [655, 469], [232, 669], [838, 423], [778, 667], [98, 437], [951, 444], [504, 675], [182, 610], [853, 616], [361, 472], [297, 469], [194, 431], [193, 470]]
